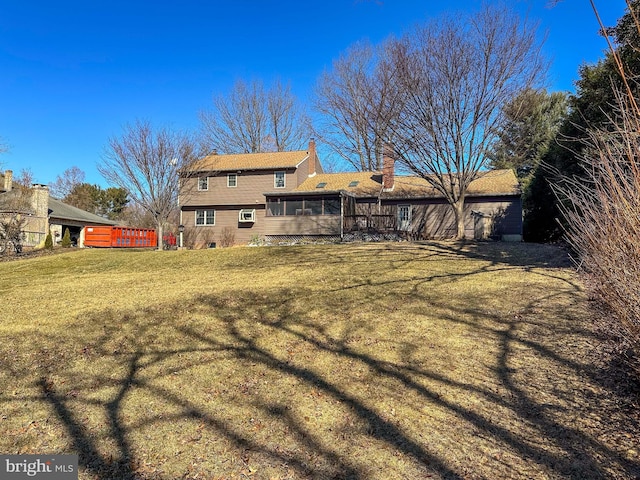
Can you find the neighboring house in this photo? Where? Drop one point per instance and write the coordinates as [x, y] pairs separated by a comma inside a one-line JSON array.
[[44, 213], [282, 196]]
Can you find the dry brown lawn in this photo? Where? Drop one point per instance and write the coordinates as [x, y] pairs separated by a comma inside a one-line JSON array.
[[367, 361]]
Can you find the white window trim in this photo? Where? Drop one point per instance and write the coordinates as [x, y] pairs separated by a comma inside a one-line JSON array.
[[250, 219], [409, 217], [229, 175], [284, 179], [207, 184], [205, 224]]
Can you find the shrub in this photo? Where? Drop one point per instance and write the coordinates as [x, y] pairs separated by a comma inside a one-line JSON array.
[[602, 214], [11, 234], [48, 243], [227, 237], [66, 239], [602, 209], [257, 241]]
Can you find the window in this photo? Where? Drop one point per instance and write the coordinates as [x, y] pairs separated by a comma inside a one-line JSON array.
[[232, 180], [404, 217], [247, 215], [294, 207], [321, 185], [332, 206], [275, 207], [303, 206], [278, 179], [314, 207], [203, 183], [205, 217]]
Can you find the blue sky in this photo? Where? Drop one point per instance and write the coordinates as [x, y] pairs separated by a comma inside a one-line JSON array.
[[72, 73]]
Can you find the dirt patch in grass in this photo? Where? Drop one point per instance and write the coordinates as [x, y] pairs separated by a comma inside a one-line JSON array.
[[435, 360]]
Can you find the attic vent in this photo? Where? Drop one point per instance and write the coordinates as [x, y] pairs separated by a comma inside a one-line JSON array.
[[354, 183], [321, 185]]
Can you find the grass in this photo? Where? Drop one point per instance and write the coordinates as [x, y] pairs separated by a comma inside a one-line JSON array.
[[380, 361]]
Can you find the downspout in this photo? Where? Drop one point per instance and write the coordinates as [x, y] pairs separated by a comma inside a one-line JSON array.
[[341, 216], [182, 232]]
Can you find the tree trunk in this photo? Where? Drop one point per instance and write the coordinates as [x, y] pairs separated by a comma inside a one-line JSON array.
[[160, 235], [458, 213]]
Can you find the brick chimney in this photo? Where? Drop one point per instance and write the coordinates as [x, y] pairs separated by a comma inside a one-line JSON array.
[[313, 157], [388, 168], [8, 180]]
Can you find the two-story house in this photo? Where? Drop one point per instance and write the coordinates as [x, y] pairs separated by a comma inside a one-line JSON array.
[[225, 193], [284, 195]]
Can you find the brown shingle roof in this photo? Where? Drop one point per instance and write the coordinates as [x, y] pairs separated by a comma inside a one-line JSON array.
[[249, 161], [369, 183], [494, 182]]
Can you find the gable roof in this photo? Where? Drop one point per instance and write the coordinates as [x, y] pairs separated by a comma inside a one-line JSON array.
[[13, 201], [369, 184], [60, 210], [488, 183], [249, 161]]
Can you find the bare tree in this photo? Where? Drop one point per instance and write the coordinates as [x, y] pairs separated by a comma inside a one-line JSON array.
[[145, 162], [252, 120], [287, 122], [65, 183], [601, 206], [602, 213], [15, 208], [455, 75], [358, 99], [25, 179]]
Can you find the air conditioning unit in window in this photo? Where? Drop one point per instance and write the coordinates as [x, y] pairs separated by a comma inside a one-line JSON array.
[[247, 215]]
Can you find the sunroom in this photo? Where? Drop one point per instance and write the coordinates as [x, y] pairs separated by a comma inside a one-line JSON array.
[[303, 214]]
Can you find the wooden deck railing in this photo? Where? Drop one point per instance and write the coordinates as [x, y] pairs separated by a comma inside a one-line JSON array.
[[370, 223]]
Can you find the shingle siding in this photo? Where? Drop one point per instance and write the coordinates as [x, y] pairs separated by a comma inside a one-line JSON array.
[[303, 225], [434, 218], [226, 217]]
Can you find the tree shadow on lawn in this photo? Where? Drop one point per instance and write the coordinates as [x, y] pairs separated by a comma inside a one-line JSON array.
[[515, 254], [339, 392]]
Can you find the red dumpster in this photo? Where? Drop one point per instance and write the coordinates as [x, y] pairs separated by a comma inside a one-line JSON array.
[[121, 237]]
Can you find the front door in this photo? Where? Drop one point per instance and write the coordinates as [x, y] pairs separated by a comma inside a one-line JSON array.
[[404, 217]]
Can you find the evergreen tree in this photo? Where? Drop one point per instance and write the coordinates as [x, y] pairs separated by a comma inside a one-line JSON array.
[[66, 239], [48, 242], [109, 203], [590, 107], [532, 121]]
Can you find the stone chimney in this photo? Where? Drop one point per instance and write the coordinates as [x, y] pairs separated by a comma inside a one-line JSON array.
[[8, 180], [40, 200], [313, 157], [388, 167]]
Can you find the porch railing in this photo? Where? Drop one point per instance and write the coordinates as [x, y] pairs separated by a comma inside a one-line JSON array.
[[370, 223]]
